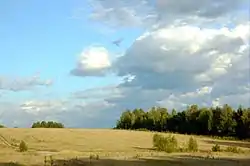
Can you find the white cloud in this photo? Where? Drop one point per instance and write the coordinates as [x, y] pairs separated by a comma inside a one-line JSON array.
[[121, 13], [93, 61], [195, 65], [36, 106], [23, 84], [188, 60], [99, 93], [145, 13], [73, 113]]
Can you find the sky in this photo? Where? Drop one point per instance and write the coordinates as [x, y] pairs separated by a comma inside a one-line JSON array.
[[59, 59]]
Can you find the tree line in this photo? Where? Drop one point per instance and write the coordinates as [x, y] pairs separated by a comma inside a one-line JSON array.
[[49, 124], [216, 121]]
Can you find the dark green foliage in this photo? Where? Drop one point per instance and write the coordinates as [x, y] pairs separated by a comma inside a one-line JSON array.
[[2, 126], [49, 124], [192, 145], [167, 144], [23, 147], [216, 148], [219, 121]]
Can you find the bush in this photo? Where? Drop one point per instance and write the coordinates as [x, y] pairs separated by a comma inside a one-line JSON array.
[[2, 126], [167, 144], [233, 149], [216, 148], [23, 146], [192, 145], [156, 139]]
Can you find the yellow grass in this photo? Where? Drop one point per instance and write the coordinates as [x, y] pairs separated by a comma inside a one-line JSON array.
[[115, 147]]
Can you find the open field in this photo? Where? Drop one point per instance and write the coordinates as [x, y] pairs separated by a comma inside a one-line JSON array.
[[114, 147]]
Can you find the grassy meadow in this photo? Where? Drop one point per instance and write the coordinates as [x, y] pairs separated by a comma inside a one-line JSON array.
[[104, 147]]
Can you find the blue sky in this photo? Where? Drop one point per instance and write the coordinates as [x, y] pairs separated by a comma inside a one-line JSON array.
[[45, 38]]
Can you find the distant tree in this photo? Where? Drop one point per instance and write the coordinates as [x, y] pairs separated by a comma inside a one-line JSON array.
[[243, 123], [126, 120], [227, 123], [174, 112], [49, 124], [205, 121], [2, 126], [221, 121]]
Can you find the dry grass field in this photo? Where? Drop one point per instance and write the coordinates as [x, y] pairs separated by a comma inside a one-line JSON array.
[[114, 147]]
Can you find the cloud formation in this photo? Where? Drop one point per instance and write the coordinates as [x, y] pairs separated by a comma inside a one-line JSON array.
[[184, 61], [23, 84], [93, 61], [73, 113], [196, 53], [146, 13]]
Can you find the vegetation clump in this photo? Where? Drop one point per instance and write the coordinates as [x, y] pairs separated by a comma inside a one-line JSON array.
[[167, 144], [233, 149], [216, 148], [49, 124], [192, 145], [23, 147], [222, 122]]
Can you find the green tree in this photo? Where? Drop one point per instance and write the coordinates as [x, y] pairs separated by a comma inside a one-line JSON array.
[[205, 121], [227, 123], [126, 121], [221, 121], [49, 124]]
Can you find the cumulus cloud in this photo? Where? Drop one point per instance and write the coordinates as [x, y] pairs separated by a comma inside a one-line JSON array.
[[183, 65], [171, 58], [93, 61], [23, 84]]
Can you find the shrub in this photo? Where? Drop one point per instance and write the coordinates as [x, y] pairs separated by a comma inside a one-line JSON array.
[[233, 149], [156, 139], [216, 148], [192, 145], [23, 146], [2, 126], [167, 144]]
